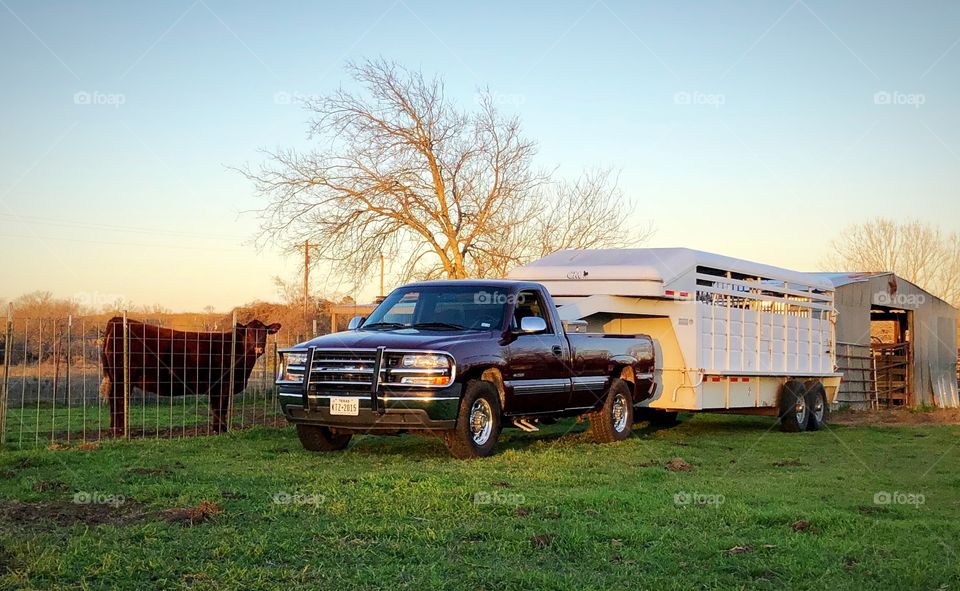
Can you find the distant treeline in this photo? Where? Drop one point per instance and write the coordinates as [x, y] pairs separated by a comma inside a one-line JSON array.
[[42, 332]]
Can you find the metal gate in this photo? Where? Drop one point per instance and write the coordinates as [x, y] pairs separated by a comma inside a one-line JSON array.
[[893, 362]]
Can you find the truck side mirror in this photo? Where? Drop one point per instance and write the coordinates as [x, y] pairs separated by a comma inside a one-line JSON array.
[[355, 322], [532, 324]]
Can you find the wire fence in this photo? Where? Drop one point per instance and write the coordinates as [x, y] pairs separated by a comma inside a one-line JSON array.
[[78, 380]]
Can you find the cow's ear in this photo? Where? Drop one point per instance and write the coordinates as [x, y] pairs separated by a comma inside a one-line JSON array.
[[273, 328]]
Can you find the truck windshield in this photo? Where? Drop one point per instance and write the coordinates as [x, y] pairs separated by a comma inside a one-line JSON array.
[[446, 308]]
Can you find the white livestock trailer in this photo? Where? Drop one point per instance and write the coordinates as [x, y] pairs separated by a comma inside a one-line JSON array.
[[732, 335]]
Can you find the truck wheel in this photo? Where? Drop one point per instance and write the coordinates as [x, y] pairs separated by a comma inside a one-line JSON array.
[[319, 438], [478, 422], [614, 420], [794, 415], [817, 408]]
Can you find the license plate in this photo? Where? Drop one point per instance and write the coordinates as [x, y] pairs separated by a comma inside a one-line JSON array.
[[345, 406]]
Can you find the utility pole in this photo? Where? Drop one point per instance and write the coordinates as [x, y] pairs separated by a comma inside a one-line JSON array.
[[306, 279], [306, 284], [381, 274]]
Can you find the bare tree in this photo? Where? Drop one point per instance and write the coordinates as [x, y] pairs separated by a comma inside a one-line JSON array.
[[919, 252], [403, 172]]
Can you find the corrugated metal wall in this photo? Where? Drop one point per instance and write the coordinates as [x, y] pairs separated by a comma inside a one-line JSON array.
[[934, 337]]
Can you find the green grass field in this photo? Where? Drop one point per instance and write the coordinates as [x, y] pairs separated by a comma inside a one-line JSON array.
[[757, 509]]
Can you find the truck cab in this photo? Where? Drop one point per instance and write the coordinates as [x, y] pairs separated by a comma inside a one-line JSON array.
[[462, 359]]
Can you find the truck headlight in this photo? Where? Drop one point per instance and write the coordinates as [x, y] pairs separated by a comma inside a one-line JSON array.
[[292, 367], [425, 361]]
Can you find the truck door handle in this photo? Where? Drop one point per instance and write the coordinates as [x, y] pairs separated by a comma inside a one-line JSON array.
[[557, 350]]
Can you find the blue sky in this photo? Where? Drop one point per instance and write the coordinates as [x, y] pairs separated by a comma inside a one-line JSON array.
[[754, 129]]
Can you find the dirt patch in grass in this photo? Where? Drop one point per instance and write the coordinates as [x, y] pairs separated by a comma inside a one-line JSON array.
[[896, 417], [50, 485], [745, 549], [45, 515], [785, 463], [541, 541], [678, 465], [188, 516], [800, 525]]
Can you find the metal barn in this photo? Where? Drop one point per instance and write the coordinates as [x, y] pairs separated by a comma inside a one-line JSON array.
[[896, 343]]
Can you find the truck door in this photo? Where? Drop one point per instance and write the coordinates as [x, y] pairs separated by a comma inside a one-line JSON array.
[[538, 363]]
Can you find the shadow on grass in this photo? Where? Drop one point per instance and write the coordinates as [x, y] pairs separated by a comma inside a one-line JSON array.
[[566, 432]]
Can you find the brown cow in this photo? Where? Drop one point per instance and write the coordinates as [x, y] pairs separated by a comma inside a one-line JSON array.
[[170, 362]]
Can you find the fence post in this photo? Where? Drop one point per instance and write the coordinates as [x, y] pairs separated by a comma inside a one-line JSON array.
[[67, 376], [233, 364], [276, 370], [126, 377], [7, 344]]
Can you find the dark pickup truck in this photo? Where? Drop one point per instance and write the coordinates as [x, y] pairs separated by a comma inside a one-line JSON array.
[[462, 359]]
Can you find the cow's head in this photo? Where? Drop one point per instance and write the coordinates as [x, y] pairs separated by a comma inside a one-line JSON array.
[[253, 336]]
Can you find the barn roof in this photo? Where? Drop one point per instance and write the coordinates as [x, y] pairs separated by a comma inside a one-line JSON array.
[[841, 279]]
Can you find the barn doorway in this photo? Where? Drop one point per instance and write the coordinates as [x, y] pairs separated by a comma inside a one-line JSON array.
[[891, 343]]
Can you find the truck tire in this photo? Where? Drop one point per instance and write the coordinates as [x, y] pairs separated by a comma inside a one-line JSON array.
[[478, 422], [319, 438], [614, 420], [794, 416], [817, 407]]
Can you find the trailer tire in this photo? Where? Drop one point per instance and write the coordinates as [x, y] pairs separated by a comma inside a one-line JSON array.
[[614, 420], [478, 422], [817, 407], [793, 412], [320, 438]]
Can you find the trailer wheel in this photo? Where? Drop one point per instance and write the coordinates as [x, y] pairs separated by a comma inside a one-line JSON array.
[[478, 422], [794, 415], [319, 438], [817, 408], [614, 420]]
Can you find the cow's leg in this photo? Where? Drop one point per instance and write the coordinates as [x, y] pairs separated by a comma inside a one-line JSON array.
[[219, 403]]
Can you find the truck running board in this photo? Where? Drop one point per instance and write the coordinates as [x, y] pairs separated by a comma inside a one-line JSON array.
[[525, 425]]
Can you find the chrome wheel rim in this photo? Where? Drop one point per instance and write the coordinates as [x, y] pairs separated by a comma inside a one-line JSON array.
[[619, 412], [801, 411], [818, 409], [481, 421]]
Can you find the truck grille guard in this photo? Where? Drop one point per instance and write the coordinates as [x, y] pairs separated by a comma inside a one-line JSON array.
[[366, 371]]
